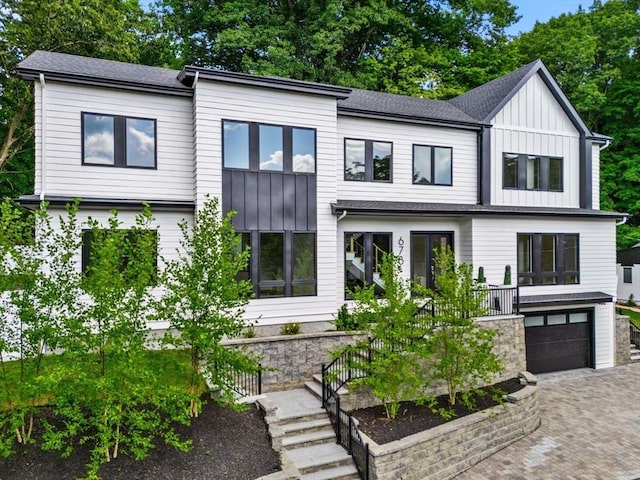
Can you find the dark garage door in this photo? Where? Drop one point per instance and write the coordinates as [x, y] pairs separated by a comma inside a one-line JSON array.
[[558, 340]]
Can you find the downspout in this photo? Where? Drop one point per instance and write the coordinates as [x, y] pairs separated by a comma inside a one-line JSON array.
[[43, 138], [344, 214], [622, 222]]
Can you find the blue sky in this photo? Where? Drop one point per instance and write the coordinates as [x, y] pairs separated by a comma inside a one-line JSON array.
[[543, 10]]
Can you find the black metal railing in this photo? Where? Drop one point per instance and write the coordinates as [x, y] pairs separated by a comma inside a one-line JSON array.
[[494, 300], [634, 334], [245, 384]]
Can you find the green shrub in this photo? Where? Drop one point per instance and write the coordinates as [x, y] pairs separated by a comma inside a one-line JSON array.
[[291, 328]]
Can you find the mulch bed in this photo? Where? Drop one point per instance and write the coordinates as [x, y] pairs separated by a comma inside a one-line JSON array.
[[226, 445], [414, 418]]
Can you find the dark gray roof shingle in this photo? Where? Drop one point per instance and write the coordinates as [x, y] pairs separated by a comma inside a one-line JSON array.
[[367, 101], [481, 102], [557, 299], [87, 69]]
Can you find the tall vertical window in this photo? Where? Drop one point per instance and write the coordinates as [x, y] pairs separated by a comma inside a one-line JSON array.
[[118, 141], [548, 259], [304, 264], [368, 160], [432, 165], [272, 273], [627, 274], [363, 256], [273, 148], [532, 172]]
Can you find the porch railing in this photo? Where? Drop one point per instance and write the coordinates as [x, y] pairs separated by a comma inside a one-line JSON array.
[[634, 334]]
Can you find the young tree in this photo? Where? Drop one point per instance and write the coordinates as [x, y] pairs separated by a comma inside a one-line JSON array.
[[462, 350], [204, 302]]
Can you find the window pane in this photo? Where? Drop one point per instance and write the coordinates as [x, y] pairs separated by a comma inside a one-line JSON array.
[[534, 321], [533, 173], [304, 289], [304, 149], [235, 144], [245, 241], [524, 254], [581, 317], [381, 161], [571, 253], [354, 159], [548, 253], [557, 319], [354, 261], [271, 150], [419, 259], [304, 256], [381, 245], [421, 164], [627, 275], [141, 142], [271, 256], [555, 174], [510, 171], [442, 170], [98, 139]]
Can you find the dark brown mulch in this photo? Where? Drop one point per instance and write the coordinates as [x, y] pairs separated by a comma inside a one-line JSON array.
[[414, 418], [226, 445]]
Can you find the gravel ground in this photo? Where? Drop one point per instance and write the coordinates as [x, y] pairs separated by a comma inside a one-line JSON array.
[[226, 445]]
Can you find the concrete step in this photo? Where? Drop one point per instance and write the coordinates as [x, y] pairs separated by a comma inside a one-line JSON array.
[[315, 388], [314, 414], [308, 426], [319, 457], [347, 472], [635, 357], [308, 439], [317, 378]]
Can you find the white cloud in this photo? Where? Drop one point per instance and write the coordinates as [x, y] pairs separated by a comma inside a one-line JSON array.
[[274, 162], [304, 163], [98, 148]]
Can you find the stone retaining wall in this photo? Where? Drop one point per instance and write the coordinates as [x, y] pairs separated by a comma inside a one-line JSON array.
[[445, 451], [623, 352]]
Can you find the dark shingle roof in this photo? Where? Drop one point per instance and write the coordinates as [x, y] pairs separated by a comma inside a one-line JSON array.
[[79, 69], [481, 102], [366, 101], [557, 299], [628, 256]]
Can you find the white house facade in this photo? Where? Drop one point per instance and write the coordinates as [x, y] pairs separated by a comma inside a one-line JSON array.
[[325, 179]]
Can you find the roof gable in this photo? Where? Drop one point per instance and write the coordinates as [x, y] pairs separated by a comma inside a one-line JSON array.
[[484, 102]]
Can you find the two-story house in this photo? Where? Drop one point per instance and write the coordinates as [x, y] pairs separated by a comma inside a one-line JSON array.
[[325, 179]]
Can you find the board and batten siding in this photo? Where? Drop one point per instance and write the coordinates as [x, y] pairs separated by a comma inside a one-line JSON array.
[[533, 123], [403, 136], [215, 101], [65, 174]]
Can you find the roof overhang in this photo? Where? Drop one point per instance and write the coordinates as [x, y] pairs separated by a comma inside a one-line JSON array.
[[563, 299], [352, 112], [34, 201], [417, 209]]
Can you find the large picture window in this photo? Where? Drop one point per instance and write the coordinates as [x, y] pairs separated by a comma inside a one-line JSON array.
[[264, 147], [367, 160], [432, 165], [532, 172], [118, 141], [363, 257], [548, 259]]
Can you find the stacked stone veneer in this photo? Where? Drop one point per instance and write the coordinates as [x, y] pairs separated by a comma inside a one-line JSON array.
[[445, 451], [623, 340], [292, 360]]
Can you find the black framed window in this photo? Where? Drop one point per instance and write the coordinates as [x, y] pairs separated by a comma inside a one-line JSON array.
[[548, 259], [532, 172], [131, 241], [368, 160], [627, 274], [118, 141], [363, 256], [265, 147], [282, 264], [432, 165]]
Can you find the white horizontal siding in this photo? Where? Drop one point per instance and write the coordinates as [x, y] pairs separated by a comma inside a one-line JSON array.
[[605, 335], [626, 289], [533, 123], [595, 175], [217, 101], [65, 174], [404, 136]]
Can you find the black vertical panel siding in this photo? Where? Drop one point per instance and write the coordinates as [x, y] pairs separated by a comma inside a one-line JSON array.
[[289, 192], [264, 201], [251, 201], [301, 202], [276, 215], [226, 191], [237, 198], [312, 203]]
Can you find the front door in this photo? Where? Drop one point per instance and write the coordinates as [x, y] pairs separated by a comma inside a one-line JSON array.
[[423, 248]]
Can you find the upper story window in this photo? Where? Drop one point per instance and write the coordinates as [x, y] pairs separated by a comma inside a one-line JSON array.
[[627, 274], [367, 160], [275, 148], [532, 172], [118, 141], [548, 259], [432, 165]]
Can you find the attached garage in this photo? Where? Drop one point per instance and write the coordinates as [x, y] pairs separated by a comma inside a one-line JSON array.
[[559, 340]]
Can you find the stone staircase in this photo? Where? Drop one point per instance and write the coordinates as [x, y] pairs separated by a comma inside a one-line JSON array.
[[635, 353], [301, 431]]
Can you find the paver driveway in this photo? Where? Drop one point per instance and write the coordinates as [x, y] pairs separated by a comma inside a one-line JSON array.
[[590, 430]]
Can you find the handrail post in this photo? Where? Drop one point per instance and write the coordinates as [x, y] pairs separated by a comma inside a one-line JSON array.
[[338, 420], [324, 388]]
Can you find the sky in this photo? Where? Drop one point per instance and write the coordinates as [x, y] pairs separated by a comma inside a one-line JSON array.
[[543, 10]]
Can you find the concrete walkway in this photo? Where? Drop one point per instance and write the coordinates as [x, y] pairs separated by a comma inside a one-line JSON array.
[[590, 431]]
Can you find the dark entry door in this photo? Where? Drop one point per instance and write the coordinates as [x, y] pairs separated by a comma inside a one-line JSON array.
[[423, 248], [558, 340]]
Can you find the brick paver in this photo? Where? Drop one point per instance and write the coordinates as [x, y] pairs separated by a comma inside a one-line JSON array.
[[590, 431]]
